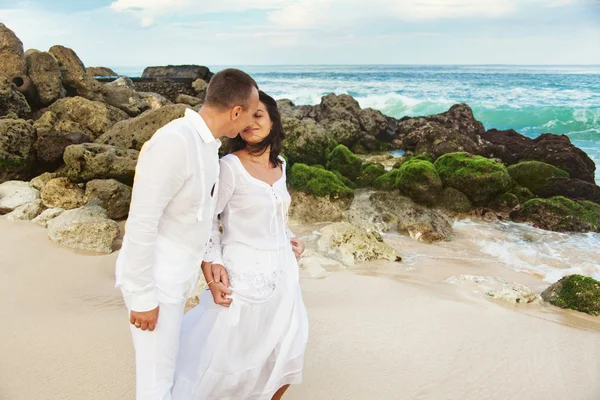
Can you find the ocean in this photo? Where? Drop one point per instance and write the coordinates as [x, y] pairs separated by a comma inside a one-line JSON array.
[[530, 99]]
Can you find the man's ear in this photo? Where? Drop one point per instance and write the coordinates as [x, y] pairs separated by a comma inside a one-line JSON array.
[[236, 112]]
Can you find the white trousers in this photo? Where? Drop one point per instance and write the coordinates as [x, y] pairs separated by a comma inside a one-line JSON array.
[[156, 352]]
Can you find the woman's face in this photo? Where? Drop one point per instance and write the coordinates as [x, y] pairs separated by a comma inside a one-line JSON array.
[[260, 127]]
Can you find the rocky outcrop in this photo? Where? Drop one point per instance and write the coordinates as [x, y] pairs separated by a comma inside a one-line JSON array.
[[79, 115], [497, 288], [306, 142], [572, 188], [134, 132], [125, 99], [26, 212], [14, 194], [317, 182], [62, 193], [455, 201], [44, 71], [88, 161], [535, 174], [12, 102], [46, 216], [50, 147], [419, 180], [12, 60], [575, 292], [200, 87], [17, 155], [154, 100], [509, 145], [100, 71], [306, 208], [370, 173], [341, 159], [112, 195], [85, 228], [75, 79], [189, 100], [192, 72]]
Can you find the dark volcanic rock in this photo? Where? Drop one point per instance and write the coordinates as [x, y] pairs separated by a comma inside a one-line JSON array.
[[17, 156], [178, 71], [100, 71], [509, 145], [51, 147], [571, 188], [12, 60]]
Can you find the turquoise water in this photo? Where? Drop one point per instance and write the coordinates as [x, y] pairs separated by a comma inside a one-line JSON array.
[[529, 99]]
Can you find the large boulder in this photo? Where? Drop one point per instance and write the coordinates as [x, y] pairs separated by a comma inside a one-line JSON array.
[[560, 214], [44, 71], [387, 181], [12, 60], [306, 142], [46, 216], [62, 193], [14, 194], [100, 71], [192, 72], [189, 100], [17, 155], [560, 152], [85, 228], [125, 99], [455, 201], [535, 174], [200, 87], [455, 130], [306, 208], [12, 102], [341, 159], [113, 195], [317, 182], [79, 115], [88, 161], [481, 179], [575, 292], [370, 173], [134, 132], [419, 180], [350, 244], [154, 100], [571, 188], [50, 147], [41, 180], [75, 79], [509, 145], [27, 211]]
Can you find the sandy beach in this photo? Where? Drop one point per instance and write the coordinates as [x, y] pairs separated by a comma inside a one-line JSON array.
[[374, 335]]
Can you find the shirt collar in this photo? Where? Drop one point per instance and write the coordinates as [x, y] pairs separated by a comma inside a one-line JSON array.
[[200, 126]]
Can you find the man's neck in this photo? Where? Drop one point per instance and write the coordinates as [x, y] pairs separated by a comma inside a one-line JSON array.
[[212, 120]]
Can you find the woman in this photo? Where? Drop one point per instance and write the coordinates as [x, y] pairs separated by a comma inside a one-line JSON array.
[[253, 349]]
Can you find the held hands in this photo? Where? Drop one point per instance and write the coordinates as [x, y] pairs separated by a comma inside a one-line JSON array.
[[144, 320], [218, 282], [297, 247]]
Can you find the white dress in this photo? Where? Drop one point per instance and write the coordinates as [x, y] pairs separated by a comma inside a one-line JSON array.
[[251, 349]]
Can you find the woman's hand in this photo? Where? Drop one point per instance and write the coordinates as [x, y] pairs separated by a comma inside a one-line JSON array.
[[218, 282], [297, 247]]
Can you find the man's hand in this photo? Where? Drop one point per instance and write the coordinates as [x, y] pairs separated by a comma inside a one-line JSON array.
[[145, 320], [297, 247], [216, 276]]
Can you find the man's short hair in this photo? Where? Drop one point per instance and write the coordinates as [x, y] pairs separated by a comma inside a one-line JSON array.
[[230, 88]]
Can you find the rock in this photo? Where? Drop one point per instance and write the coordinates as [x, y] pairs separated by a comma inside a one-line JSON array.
[[88, 161], [575, 292], [79, 115], [193, 72], [200, 87], [420, 223], [481, 179], [522, 194], [388, 180], [310, 209], [154, 100], [558, 150], [369, 174], [113, 196], [343, 160], [455, 201], [12, 60], [44, 71], [121, 81], [317, 182], [40, 181], [50, 147], [313, 263], [363, 213], [535, 174], [85, 228], [509, 145], [189, 100], [560, 214], [571, 188], [455, 130], [506, 201], [306, 142], [100, 71], [419, 180], [134, 132], [27, 211], [12, 102], [62, 193], [46, 216], [497, 288], [75, 79], [17, 156], [385, 159], [287, 108], [350, 245], [124, 99], [14, 194], [344, 132]]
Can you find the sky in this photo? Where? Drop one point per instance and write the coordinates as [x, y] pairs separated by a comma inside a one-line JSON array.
[[134, 33]]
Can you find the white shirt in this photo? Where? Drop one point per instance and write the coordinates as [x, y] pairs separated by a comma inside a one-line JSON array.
[[171, 212], [253, 213]]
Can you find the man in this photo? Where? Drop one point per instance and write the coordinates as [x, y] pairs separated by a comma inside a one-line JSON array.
[[169, 224]]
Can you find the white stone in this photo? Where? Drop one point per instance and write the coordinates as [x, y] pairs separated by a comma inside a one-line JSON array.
[[497, 288], [14, 194], [26, 212], [46, 216]]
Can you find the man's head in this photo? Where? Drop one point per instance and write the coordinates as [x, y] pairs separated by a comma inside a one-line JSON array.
[[233, 94]]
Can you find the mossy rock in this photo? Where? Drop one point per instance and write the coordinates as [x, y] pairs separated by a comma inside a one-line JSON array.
[[387, 181], [506, 201], [345, 180], [359, 149], [384, 146], [575, 292], [317, 182], [306, 141], [560, 214], [455, 200], [522, 193], [480, 178], [370, 173], [535, 174], [419, 180], [346, 162]]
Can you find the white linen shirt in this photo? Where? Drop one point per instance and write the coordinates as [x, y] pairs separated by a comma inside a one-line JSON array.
[[174, 197]]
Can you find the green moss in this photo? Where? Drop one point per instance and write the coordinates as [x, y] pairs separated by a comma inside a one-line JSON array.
[[370, 173], [387, 181], [419, 180], [318, 166], [384, 146], [6, 163], [306, 141], [481, 179], [318, 182], [455, 200], [343, 160], [507, 201], [560, 214], [345, 180], [535, 174], [522, 193], [575, 292], [359, 149], [424, 156]]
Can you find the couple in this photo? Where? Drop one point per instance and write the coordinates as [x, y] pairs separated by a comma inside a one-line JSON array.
[[246, 339]]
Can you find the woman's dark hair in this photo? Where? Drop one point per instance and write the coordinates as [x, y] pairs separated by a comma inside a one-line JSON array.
[[274, 140]]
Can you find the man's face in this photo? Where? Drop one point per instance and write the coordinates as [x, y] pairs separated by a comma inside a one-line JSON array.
[[245, 117]]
